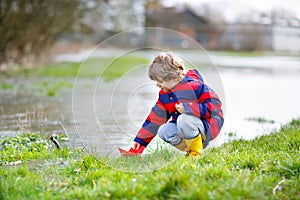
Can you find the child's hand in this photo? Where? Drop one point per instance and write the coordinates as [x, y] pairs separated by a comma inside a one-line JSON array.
[[137, 148], [136, 145], [180, 108]]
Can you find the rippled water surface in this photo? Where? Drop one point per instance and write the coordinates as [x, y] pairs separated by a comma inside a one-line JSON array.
[[105, 115]]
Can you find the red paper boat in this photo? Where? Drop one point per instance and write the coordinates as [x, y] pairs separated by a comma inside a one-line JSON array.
[[131, 151]]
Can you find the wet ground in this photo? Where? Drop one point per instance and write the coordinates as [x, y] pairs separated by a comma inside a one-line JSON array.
[[105, 115]]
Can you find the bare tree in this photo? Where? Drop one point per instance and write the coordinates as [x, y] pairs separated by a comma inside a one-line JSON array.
[[29, 27]]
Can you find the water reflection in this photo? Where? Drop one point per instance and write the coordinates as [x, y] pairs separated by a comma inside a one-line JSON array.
[[105, 115], [29, 113]]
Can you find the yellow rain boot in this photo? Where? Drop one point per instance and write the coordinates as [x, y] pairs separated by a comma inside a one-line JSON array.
[[195, 146]]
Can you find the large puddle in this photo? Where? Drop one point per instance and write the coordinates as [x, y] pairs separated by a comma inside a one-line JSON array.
[[104, 116], [27, 113]]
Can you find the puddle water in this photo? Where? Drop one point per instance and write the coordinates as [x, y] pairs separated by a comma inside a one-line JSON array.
[[104, 115], [22, 113], [26, 110]]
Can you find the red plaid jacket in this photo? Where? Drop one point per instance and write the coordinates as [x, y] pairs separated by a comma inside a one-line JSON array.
[[198, 100]]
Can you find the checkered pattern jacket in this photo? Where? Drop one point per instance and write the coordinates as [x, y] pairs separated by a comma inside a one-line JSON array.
[[198, 100]]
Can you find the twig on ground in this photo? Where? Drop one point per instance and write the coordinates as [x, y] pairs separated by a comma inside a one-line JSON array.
[[54, 140], [278, 186], [65, 130]]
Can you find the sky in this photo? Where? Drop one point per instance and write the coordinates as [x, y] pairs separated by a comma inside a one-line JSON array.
[[234, 7]]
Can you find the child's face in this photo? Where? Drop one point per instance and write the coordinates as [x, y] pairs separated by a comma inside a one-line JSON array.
[[166, 85]]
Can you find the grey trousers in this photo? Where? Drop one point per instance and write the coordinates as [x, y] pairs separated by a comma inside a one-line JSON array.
[[187, 127]]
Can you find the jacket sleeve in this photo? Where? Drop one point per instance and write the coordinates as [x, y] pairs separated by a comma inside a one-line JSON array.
[[155, 119], [208, 105]]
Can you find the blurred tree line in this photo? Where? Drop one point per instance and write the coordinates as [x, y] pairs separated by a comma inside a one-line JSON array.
[[29, 27]]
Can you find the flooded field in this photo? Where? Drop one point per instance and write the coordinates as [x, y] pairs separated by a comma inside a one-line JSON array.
[[259, 93]]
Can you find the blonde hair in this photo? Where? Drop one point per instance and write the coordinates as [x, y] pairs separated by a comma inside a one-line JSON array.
[[165, 66]]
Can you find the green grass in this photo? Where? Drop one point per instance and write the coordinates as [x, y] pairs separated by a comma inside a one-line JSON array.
[[267, 167], [261, 120], [107, 68], [6, 86], [50, 79], [51, 88], [240, 53]]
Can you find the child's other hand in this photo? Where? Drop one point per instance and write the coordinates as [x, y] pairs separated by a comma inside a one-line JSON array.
[[180, 108]]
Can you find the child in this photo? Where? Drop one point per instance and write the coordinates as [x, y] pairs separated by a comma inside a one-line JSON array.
[[191, 107]]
